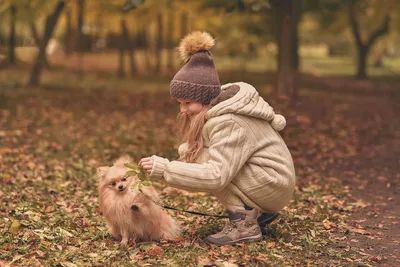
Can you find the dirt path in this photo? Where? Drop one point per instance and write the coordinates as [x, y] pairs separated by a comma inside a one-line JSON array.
[[372, 175], [377, 185]]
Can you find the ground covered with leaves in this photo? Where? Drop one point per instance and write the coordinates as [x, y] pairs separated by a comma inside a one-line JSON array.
[[344, 212]]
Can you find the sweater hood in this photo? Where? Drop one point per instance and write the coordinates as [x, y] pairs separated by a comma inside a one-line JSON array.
[[246, 102]]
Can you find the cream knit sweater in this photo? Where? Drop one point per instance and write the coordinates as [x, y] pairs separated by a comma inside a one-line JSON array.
[[242, 153]]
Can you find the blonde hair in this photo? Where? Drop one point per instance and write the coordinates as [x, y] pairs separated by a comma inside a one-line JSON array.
[[191, 132]]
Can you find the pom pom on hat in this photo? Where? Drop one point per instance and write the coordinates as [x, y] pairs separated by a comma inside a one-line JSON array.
[[195, 42], [278, 122], [197, 80]]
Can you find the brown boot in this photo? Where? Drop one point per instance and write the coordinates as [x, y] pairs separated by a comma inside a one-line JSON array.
[[242, 227]]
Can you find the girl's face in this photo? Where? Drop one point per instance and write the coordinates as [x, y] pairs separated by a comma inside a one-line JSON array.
[[189, 108]]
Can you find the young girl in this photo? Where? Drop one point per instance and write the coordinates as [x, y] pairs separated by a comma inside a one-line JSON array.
[[232, 148]]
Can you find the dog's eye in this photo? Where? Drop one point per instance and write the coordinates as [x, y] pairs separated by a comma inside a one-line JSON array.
[[123, 179], [113, 183]]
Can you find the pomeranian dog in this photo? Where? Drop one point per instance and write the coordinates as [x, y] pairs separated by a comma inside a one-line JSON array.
[[130, 213]]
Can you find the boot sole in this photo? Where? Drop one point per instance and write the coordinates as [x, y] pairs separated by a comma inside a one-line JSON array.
[[254, 238]]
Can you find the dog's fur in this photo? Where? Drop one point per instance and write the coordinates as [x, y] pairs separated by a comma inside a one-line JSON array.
[[130, 213]]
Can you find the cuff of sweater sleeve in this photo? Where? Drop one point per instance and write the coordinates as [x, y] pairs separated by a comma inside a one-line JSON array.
[[158, 167]]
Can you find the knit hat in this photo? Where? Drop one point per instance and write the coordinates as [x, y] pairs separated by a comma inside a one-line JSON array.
[[198, 79]]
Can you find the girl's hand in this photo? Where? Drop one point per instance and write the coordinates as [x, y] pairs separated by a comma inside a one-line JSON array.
[[146, 164]]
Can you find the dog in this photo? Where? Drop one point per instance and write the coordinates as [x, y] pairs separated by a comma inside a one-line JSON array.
[[130, 213]]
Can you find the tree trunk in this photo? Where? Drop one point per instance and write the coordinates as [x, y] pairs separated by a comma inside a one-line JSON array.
[[38, 40], [362, 62], [80, 45], [146, 49], [159, 44], [51, 23], [122, 47], [129, 47], [12, 39], [184, 24], [80, 24], [169, 41], [295, 38], [121, 65], [68, 33], [285, 86], [132, 61], [132, 56]]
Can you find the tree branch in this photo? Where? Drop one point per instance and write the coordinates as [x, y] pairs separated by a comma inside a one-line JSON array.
[[51, 22], [384, 29], [354, 25]]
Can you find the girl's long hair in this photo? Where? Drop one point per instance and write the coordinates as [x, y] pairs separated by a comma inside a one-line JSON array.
[[191, 132]]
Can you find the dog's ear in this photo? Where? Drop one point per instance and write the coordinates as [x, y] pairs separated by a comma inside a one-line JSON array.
[[101, 171]]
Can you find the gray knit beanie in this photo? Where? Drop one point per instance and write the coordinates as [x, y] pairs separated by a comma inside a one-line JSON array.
[[198, 79]]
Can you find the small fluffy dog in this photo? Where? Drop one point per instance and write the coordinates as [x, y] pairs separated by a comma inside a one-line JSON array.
[[131, 213]]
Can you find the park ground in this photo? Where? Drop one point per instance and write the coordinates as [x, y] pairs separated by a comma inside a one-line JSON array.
[[343, 134]]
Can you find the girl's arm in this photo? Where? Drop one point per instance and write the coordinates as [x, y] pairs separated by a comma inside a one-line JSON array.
[[229, 150]]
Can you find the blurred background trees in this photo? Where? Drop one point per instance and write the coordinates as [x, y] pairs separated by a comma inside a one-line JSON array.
[[288, 37]]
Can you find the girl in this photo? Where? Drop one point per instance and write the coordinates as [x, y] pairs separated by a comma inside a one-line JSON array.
[[232, 148]]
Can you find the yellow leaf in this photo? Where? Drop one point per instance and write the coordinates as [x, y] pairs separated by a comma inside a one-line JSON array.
[[270, 244], [31, 165], [14, 227]]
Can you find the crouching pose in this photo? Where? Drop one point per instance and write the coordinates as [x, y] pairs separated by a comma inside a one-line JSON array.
[[231, 147]]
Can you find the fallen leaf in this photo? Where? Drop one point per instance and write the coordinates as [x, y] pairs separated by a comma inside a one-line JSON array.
[[270, 244], [229, 264], [327, 224], [261, 259], [360, 231], [155, 251], [204, 262], [14, 227]]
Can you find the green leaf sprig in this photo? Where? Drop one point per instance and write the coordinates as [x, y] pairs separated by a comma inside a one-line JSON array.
[[136, 170]]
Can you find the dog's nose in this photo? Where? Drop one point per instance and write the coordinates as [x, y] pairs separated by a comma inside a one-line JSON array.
[[120, 187]]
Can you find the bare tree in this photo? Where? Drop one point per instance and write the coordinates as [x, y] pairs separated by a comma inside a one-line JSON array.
[[12, 38], [285, 84], [80, 42], [121, 48], [51, 23], [365, 46], [68, 38], [35, 33], [159, 43], [169, 40]]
